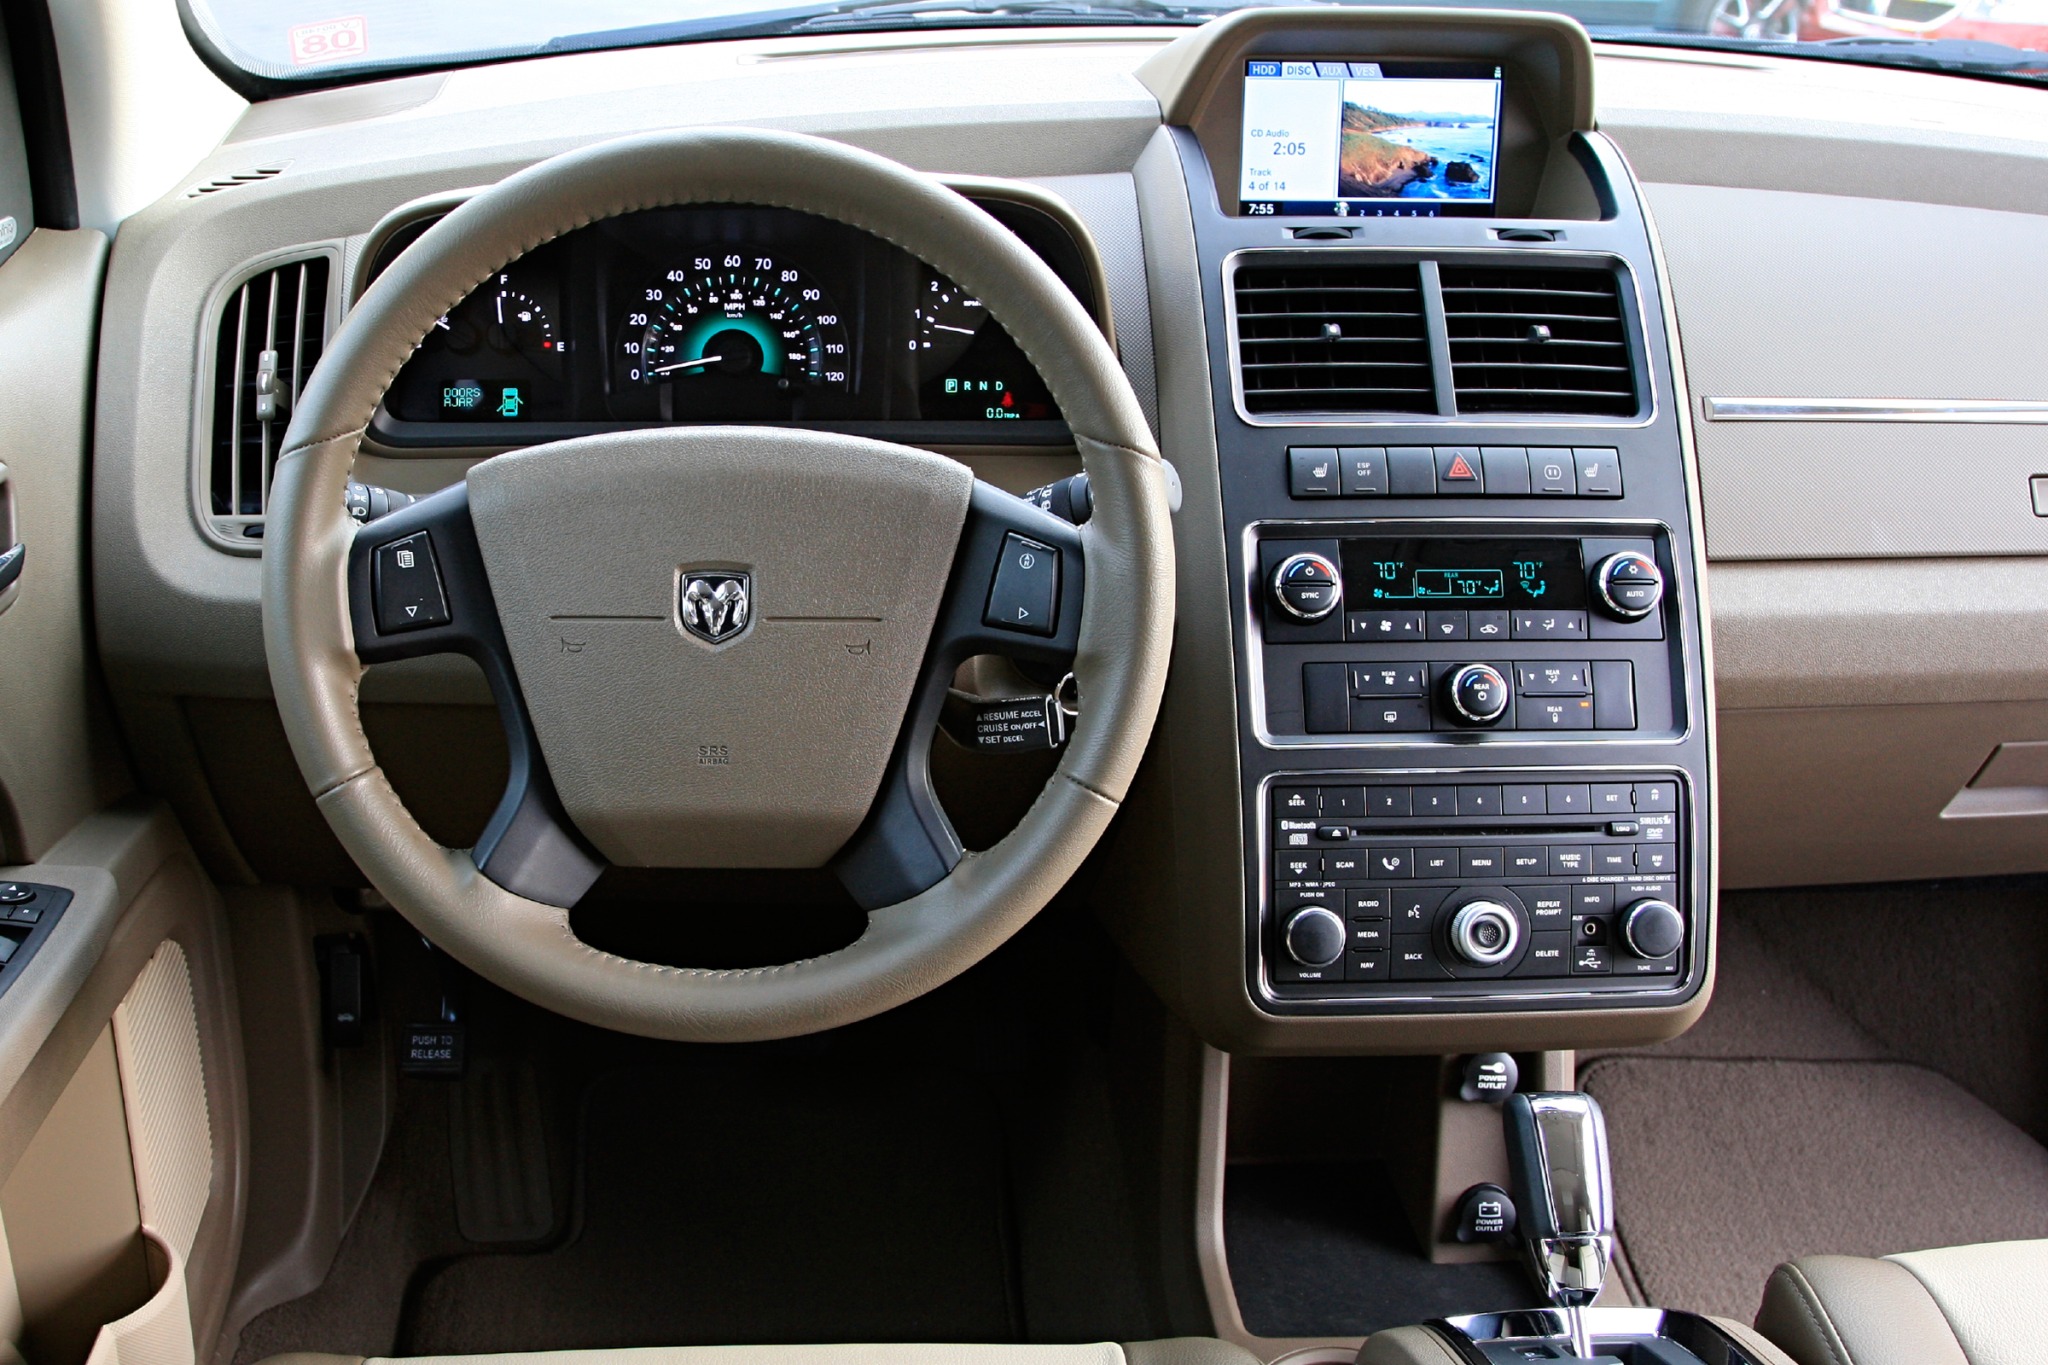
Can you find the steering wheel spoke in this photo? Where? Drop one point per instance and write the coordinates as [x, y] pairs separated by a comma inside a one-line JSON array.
[[417, 586], [1016, 590]]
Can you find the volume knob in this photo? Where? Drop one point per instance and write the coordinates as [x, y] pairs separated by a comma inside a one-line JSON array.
[[1628, 585], [1315, 937]]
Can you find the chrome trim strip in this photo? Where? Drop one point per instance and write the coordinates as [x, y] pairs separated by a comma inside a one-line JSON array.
[[2021, 412], [1431, 256]]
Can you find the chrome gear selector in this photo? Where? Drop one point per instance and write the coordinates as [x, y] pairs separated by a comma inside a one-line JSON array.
[[1564, 1197]]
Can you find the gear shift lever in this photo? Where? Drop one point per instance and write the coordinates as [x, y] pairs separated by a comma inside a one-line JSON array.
[[1564, 1192]]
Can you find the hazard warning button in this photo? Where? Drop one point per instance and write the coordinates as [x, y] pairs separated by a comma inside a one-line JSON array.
[[1458, 471]]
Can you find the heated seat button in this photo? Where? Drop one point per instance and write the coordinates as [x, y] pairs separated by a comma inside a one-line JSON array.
[[406, 586], [1024, 594]]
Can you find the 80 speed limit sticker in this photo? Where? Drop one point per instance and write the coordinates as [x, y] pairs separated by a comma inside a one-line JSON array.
[[330, 40]]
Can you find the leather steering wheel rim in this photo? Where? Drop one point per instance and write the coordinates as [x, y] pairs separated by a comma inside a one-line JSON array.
[[908, 948]]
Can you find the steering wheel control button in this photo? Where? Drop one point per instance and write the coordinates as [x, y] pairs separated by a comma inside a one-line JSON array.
[[1312, 472], [406, 586], [1315, 937], [1025, 592], [1628, 585], [1477, 694], [1306, 587], [1485, 933], [1598, 470], [1652, 928], [1490, 1077]]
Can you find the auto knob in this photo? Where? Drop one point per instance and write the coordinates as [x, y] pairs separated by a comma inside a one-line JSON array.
[[1314, 936], [1628, 585], [1307, 587], [1652, 928], [1477, 694], [1485, 933]]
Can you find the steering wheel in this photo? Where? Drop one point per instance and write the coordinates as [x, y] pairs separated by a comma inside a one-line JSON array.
[[719, 646]]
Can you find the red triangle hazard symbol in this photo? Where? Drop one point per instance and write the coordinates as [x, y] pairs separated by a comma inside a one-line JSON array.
[[1459, 469]]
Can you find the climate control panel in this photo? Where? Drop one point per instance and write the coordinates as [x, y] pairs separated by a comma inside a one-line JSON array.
[[1470, 884]]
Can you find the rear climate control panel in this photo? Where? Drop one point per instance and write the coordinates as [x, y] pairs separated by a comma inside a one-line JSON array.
[[1476, 885]]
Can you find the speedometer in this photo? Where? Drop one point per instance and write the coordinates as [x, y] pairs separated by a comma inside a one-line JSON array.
[[734, 326]]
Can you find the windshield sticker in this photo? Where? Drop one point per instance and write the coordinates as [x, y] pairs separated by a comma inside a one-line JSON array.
[[330, 40]]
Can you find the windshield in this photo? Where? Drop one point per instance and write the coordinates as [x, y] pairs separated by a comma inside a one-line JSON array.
[[267, 47]]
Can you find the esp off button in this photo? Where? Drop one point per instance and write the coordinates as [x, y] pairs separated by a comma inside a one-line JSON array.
[[1024, 594], [406, 586]]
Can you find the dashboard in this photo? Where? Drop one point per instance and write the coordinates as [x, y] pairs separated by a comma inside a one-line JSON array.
[[715, 313]]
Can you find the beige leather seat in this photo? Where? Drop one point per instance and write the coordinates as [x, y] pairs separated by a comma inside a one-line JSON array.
[[1973, 1305], [1175, 1351]]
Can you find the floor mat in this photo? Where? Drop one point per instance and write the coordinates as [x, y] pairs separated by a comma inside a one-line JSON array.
[[1324, 1249], [743, 1205], [1724, 1168]]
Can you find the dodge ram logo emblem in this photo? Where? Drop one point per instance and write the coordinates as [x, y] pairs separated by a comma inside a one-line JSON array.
[[715, 606]]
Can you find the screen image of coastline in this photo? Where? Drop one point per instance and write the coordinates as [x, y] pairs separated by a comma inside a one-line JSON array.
[[1340, 138]]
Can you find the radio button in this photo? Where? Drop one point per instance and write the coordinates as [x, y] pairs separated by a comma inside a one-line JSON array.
[[1367, 902], [1570, 862], [1436, 863], [1387, 803], [1435, 801]]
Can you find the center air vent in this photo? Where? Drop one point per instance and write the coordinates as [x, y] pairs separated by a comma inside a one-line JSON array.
[[1538, 339], [270, 333], [1333, 338]]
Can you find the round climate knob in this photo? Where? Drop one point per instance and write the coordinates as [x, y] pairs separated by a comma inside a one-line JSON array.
[[1485, 933], [1477, 694], [1306, 587], [1315, 937], [1652, 928], [1628, 585]]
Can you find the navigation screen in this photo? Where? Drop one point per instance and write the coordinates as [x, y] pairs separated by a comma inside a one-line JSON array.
[[1380, 573], [1368, 138]]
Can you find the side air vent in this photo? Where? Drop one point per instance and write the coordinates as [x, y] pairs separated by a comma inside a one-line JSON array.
[[235, 181], [269, 336], [1337, 338], [1538, 339]]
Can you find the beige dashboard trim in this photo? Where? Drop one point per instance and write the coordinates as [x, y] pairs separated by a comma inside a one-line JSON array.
[[1961, 410]]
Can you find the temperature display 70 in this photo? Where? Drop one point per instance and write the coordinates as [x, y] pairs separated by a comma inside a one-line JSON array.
[[1417, 572]]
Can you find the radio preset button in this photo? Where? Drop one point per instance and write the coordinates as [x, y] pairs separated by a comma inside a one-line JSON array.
[[1479, 800], [1526, 799], [1570, 798], [1387, 803], [1435, 801]]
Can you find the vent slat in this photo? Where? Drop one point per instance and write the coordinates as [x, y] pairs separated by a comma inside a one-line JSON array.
[[1538, 339], [1378, 362], [275, 320]]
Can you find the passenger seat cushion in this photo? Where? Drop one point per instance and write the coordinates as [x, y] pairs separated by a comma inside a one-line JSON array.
[[1994, 1296], [1854, 1310]]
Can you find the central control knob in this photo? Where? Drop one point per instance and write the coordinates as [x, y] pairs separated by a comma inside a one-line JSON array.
[[1485, 933], [1315, 937], [1652, 928], [1628, 585], [1306, 587], [1477, 694]]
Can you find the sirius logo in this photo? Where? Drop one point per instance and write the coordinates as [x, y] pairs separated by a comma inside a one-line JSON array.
[[716, 606]]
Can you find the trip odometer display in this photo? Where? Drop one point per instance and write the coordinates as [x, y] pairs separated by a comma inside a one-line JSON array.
[[736, 334]]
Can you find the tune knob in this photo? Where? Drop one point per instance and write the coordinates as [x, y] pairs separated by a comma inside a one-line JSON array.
[[1485, 933], [1314, 937], [1652, 928], [1477, 694], [1306, 587], [1628, 585]]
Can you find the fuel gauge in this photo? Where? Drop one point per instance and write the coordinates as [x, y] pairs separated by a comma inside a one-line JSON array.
[[520, 326]]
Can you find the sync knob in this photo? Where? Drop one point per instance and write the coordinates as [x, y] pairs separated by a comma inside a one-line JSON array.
[[1652, 928], [1314, 937], [1477, 694], [1306, 587], [1628, 585], [1485, 933]]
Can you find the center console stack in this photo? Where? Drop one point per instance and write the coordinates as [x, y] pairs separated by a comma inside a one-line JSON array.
[[1461, 537]]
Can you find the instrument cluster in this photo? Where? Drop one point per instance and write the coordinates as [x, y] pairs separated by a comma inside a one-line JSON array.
[[706, 314]]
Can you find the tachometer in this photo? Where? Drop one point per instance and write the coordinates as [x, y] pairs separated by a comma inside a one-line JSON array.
[[734, 325], [946, 320]]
